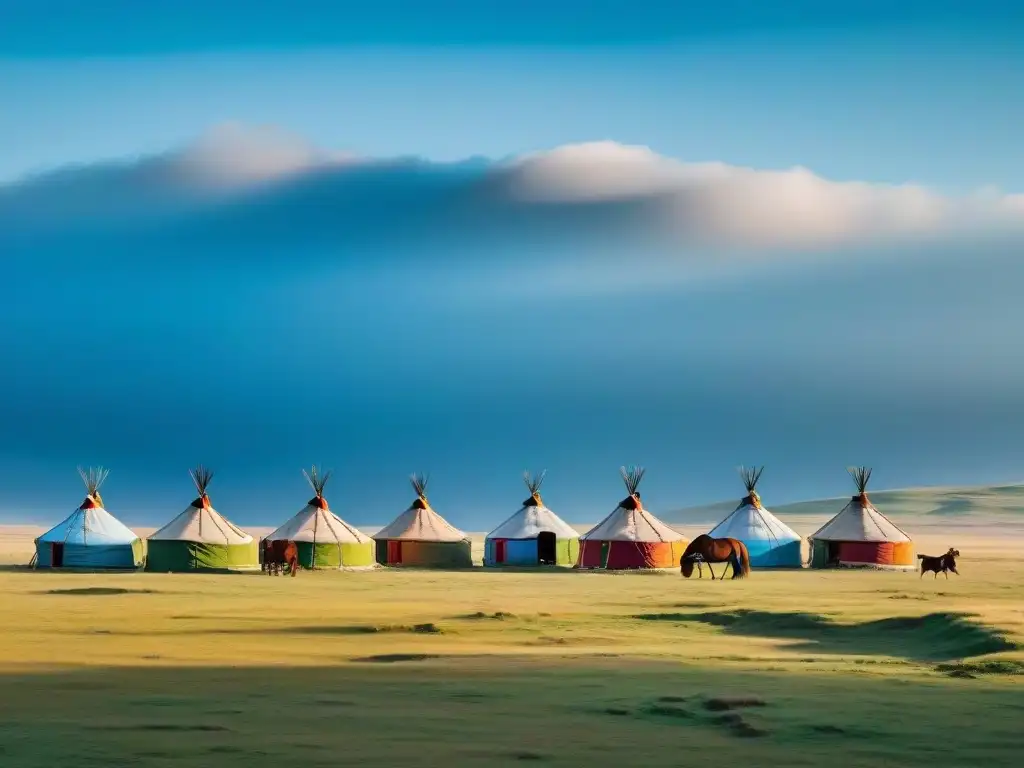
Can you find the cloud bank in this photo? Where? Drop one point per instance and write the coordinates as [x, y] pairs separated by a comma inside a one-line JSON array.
[[239, 182], [244, 288]]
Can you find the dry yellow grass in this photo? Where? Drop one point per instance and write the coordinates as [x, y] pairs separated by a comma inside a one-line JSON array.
[[494, 668]]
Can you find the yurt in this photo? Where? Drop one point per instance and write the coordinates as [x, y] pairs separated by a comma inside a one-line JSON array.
[[420, 537], [90, 537], [861, 536], [631, 537], [532, 536], [323, 539], [770, 542], [200, 538]]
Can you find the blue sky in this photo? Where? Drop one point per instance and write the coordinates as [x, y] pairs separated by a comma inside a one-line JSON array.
[[853, 90], [176, 301]]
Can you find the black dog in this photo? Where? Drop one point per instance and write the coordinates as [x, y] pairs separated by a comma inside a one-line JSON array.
[[943, 563]]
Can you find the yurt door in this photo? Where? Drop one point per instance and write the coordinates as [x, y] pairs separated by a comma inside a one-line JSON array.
[[834, 550], [606, 548], [499, 550], [394, 552], [57, 555], [547, 553]]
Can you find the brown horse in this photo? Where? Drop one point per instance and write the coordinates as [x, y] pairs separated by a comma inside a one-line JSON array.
[[707, 550], [278, 553], [944, 563]]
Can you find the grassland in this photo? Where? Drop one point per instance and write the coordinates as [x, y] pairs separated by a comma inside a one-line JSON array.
[[489, 668]]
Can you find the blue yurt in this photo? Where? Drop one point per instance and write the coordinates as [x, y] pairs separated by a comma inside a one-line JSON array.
[[771, 543], [532, 536], [90, 537]]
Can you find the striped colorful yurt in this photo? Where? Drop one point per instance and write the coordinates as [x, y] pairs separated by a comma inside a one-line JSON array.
[[532, 536], [322, 538], [90, 537], [631, 537], [200, 538], [861, 536], [421, 537], [770, 542]]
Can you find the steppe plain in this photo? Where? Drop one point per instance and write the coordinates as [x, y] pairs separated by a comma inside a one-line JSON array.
[[487, 667]]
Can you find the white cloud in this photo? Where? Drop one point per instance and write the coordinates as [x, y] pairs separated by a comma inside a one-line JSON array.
[[575, 191], [731, 205], [232, 154]]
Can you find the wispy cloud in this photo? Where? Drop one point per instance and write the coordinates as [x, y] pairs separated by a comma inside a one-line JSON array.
[[244, 183]]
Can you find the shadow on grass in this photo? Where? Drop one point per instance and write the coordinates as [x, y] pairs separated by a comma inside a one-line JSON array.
[[395, 658], [327, 629], [933, 637], [487, 711], [97, 591], [480, 616]]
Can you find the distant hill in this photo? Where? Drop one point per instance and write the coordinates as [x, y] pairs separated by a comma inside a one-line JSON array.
[[934, 504]]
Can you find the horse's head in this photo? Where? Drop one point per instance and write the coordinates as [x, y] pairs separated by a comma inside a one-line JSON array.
[[953, 552], [686, 564]]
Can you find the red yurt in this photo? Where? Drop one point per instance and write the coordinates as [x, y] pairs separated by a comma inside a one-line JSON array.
[[861, 536], [631, 537]]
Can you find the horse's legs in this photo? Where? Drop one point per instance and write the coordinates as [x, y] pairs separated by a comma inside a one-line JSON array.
[[295, 566], [712, 571]]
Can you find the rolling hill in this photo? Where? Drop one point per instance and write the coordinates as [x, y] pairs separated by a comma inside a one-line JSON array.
[[965, 505]]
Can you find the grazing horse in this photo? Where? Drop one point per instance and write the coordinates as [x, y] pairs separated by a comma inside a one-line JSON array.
[[705, 549], [944, 563], [278, 553]]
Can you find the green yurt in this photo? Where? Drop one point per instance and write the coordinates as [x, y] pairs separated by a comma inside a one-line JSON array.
[[200, 538], [323, 539]]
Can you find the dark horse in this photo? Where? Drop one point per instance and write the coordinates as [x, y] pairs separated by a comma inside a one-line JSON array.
[[706, 550], [278, 553], [944, 563]]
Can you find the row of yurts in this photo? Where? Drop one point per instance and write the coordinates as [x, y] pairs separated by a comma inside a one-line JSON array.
[[631, 537]]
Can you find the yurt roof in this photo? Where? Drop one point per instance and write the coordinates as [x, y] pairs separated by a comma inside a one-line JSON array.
[[631, 525], [420, 522], [417, 524], [200, 522], [530, 521], [859, 520], [533, 517], [90, 526], [750, 520], [630, 521], [316, 522], [754, 522], [90, 523], [311, 523]]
